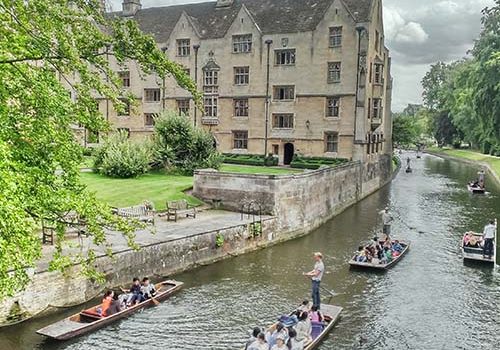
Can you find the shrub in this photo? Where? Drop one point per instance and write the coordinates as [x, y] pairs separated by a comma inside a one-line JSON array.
[[250, 159], [313, 163], [121, 158], [180, 146]]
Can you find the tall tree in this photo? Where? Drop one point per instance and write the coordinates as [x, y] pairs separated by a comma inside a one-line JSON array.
[[44, 42]]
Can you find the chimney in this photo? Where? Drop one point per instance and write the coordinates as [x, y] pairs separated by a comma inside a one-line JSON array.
[[224, 3], [130, 7]]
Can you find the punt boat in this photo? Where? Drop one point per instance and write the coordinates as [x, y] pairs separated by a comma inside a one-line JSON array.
[[331, 316], [475, 189], [377, 266], [409, 170], [476, 253], [89, 320]]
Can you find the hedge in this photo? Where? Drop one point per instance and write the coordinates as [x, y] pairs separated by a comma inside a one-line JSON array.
[[314, 163], [250, 159]]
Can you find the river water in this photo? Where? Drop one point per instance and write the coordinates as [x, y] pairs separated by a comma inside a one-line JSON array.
[[430, 300]]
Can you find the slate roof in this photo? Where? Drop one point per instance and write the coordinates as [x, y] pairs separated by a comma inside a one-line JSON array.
[[271, 16]]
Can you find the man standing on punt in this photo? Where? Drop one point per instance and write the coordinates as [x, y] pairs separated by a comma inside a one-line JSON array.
[[316, 276], [387, 220], [488, 237]]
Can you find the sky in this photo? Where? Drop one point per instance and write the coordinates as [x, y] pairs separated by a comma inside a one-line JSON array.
[[418, 33]]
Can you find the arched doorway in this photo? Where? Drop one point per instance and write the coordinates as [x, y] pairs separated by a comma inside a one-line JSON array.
[[289, 151]]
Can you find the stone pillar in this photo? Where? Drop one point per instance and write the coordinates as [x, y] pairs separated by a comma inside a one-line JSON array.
[[361, 122]]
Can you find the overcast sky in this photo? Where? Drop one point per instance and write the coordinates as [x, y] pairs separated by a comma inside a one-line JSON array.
[[418, 33]]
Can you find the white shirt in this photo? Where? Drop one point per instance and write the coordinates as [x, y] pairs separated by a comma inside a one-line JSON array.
[[319, 267], [489, 231], [386, 218]]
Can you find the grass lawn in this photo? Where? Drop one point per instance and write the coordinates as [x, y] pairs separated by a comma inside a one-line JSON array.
[[155, 187], [494, 162], [248, 169], [87, 163]]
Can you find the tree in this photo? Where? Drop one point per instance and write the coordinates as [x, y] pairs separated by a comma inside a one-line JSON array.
[[404, 132], [180, 146], [43, 43]]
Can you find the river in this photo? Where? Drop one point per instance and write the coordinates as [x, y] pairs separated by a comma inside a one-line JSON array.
[[430, 300]]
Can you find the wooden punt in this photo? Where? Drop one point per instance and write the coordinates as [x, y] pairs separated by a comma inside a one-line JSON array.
[[476, 253], [331, 315], [88, 320], [476, 190], [367, 265], [409, 170]]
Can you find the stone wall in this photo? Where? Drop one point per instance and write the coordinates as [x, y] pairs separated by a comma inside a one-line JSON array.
[[49, 291], [299, 201]]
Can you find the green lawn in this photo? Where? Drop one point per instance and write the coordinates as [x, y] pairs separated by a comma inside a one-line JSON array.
[[248, 169], [494, 162], [87, 162], [155, 187]]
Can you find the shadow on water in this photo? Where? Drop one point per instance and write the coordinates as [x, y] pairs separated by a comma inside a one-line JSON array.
[[430, 300]]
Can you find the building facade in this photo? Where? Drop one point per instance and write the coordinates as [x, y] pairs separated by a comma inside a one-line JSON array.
[[316, 70]]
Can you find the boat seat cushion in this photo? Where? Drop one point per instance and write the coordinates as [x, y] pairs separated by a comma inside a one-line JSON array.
[[91, 313]]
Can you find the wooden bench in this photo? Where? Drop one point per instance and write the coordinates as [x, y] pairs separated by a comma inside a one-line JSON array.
[[180, 207], [141, 212]]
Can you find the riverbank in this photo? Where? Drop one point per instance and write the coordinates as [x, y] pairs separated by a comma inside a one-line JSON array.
[[281, 207], [492, 163]]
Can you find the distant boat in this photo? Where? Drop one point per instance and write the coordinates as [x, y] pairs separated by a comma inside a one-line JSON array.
[[476, 252], [409, 170], [378, 266], [476, 189], [89, 320]]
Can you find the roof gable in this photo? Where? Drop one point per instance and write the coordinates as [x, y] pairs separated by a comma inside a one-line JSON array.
[[270, 16]]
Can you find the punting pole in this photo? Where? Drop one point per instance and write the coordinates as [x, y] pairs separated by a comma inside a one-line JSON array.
[[495, 244]]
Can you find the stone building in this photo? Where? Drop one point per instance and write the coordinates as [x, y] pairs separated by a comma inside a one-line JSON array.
[[323, 63]]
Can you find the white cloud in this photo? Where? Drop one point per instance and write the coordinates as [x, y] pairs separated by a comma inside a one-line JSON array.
[[399, 30]]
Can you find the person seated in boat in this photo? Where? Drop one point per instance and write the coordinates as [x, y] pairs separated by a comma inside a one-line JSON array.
[[148, 289], [136, 296], [278, 329], [386, 256], [466, 239], [253, 337], [360, 254], [303, 327], [368, 255], [315, 315], [473, 241], [109, 305], [397, 247], [260, 343], [280, 343], [293, 343]]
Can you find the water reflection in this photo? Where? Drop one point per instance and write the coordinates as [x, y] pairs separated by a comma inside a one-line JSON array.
[[430, 300]]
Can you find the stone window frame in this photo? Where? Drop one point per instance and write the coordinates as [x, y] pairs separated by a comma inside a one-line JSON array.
[[334, 72], [333, 110], [285, 57], [125, 78], [149, 119], [283, 120], [331, 141], [183, 47], [152, 95], [242, 75], [378, 73], [276, 149], [211, 78], [377, 41], [240, 139], [284, 92], [335, 36], [241, 107], [376, 110], [242, 43], [210, 103], [183, 106]]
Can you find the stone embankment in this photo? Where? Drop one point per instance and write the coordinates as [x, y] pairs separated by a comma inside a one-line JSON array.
[[290, 206]]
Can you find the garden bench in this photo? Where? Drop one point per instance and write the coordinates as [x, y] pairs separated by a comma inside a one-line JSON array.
[[180, 207], [141, 212]]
